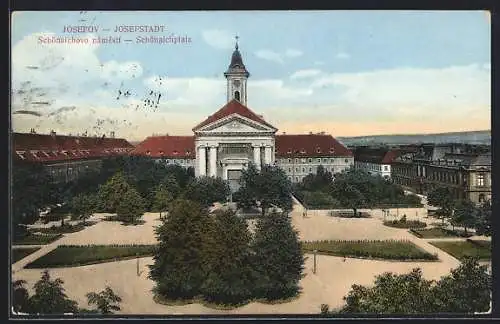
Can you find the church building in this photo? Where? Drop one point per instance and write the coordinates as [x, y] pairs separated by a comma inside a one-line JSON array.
[[234, 136]]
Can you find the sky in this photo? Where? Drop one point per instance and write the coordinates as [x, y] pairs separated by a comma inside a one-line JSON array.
[[347, 73]]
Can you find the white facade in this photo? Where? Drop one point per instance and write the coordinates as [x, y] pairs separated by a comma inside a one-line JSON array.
[[383, 170], [298, 168]]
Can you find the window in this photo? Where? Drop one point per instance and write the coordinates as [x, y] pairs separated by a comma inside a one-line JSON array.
[[237, 95], [310, 160], [319, 160], [296, 160], [481, 198], [346, 161], [386, 168], [289, 160], [480, 180], [310, 169], [296, 179], [303, 160], [296, 169], [303, 169], [318, 150]]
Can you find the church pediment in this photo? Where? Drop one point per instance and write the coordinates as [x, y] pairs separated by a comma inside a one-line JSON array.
[[235, 124]]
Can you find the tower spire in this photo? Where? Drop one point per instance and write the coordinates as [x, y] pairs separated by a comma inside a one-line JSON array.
[[236, 37]]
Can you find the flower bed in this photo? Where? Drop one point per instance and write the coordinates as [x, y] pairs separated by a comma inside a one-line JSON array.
[[438, 232], [67, 228], [78, 255], [405, 224], [348, 214], [401, 250]]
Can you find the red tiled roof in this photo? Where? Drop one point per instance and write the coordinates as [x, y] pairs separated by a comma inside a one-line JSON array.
[[55, 148], [377, 155], [309, 145], [233, 107], [178, 146], [167, 146]]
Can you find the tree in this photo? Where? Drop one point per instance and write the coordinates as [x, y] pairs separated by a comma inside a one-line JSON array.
[[106, 301], [465, 214], [112, 192], [20, 297], [178, 266], [270, 187], [278, 258], [207, 190], [131, 207], [317, 181], [50, 298], [229, 276], [466, 290], [392, 294], [83, 206], [32, 189], [483, 222], [442, 197], [163, 198], [349, 196], [172, 185]]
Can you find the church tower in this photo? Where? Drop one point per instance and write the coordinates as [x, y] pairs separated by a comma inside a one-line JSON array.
[[236, 76]]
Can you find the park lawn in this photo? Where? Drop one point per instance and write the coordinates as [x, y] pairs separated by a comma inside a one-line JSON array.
[[437, 232], [78, 255], [35, 239], [401, 250], [460, 249], [21, 253]]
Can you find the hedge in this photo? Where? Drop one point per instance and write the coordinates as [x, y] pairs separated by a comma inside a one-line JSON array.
[[21, 253], [78, 255], [402, 250], [36, 239]]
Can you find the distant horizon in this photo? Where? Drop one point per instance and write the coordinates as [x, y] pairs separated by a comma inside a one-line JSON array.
[[400, 72]]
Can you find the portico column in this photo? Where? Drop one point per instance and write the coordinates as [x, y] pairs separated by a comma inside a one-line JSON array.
[[202, 161], [213, 161], [267, 155], [256, 156]]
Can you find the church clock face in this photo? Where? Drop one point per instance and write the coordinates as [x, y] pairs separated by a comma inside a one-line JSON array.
[[236, 83]]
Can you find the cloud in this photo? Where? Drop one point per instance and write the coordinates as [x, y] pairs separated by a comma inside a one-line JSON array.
[[319, 63], [293, 53], [220, 39], [308, 73], [273, 56], [342, 56], [270, 56], [69, 89]]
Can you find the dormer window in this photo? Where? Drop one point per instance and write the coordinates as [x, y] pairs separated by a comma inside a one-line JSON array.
[[331, 150], [188, 152], [302, 151], [318, 150], [161, 152], [175, 152], [289, 151], [148, 152]]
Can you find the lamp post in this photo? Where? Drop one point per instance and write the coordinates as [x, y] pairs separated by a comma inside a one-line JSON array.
[[314, 265]]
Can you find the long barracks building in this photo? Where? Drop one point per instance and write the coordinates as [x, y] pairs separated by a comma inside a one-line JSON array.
[[234, 136]]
